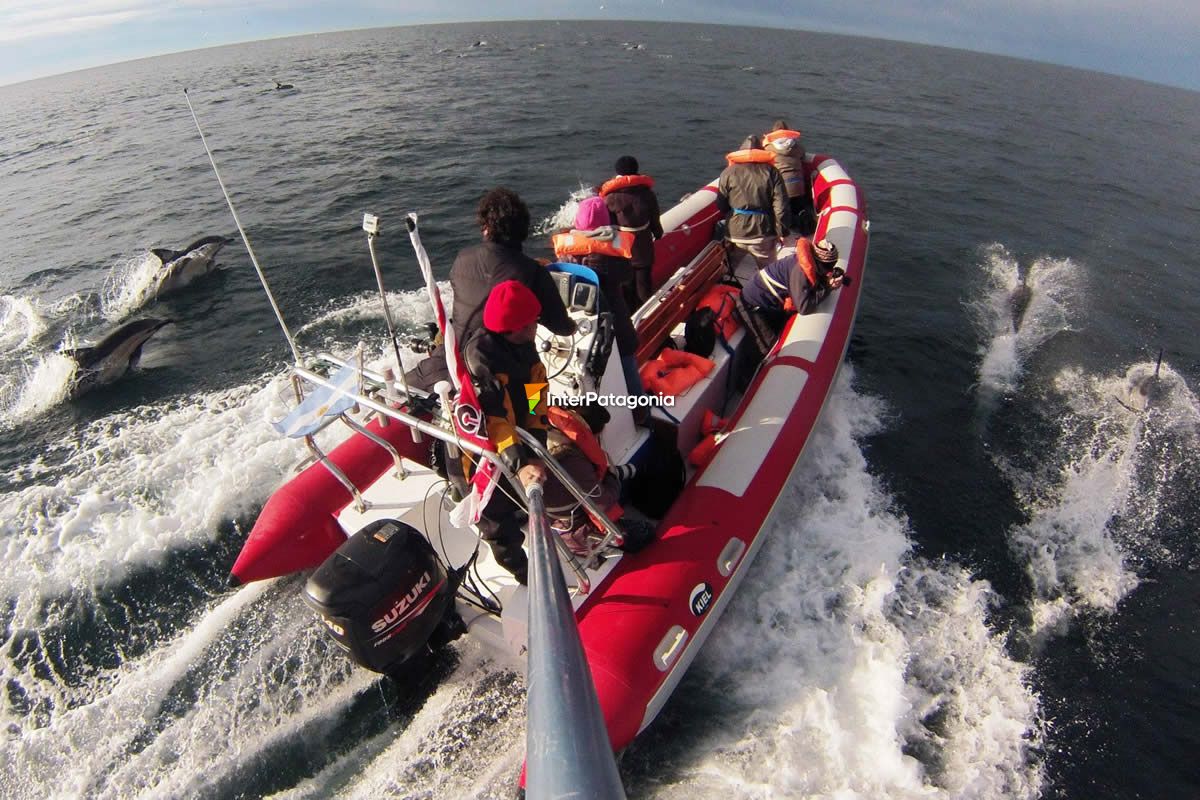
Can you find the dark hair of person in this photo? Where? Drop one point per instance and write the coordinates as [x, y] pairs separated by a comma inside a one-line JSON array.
[[780, 125], [627, 165], [505, 216]]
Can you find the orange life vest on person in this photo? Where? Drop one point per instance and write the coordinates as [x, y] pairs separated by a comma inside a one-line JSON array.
[[776, 136], [804, 260], [720, 299], [750, 157], [580, 243], [624, 182], [674, 372], [575, 429]]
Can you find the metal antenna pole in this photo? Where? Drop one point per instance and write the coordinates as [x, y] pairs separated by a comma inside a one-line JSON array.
[[567, 749], [287, 334], [371, 226]]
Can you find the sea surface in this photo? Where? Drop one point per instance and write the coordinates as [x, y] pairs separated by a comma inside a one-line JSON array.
[[982, 581]]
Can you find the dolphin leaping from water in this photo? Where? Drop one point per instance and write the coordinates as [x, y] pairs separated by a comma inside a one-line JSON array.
[[1018, 300], [113, 356], [181, 267], [1146, 391]]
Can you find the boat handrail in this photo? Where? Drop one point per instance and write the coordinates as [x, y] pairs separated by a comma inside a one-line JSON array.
[[354, 425], [450, 437], [376, 377]]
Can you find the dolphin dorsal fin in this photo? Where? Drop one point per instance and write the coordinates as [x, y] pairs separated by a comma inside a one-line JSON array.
[[165, 255], [1158, 364]]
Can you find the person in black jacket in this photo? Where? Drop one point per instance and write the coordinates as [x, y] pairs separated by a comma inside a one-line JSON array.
[[504, 223], [503, 220], [631, 200], [502, 358]]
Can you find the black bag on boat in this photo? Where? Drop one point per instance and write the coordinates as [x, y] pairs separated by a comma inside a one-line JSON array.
[[660, 472], [700, 332]]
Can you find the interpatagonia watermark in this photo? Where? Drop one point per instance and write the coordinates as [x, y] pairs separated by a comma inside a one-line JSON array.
[[534, 392]]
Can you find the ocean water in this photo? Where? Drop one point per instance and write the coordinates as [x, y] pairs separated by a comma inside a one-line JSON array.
[[980, 583]]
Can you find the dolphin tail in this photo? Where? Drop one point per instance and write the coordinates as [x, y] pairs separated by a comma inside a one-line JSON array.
[[1158, 364]]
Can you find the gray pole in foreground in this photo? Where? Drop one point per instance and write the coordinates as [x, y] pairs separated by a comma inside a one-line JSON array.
[[567, 750]]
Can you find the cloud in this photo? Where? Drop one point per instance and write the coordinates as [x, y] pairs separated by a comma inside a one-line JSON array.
[[22, 20]]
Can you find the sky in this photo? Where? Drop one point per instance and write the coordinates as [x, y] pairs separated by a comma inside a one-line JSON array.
[[1156, 40]]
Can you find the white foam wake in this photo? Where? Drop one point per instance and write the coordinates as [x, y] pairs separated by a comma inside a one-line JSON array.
[[21, 322], [852, 669], [135, 486], [564, 217], [130, 284], [37, 389], [1094, 510]]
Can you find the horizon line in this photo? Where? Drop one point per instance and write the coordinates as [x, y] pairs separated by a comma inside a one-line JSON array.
[[817, 30]]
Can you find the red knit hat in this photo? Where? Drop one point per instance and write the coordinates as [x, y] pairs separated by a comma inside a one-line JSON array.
[[510, 307]]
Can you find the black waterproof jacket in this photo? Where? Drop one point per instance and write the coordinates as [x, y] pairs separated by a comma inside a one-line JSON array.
[[479, 269]]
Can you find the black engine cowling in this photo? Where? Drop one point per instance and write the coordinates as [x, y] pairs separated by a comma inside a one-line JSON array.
[[384, 596]]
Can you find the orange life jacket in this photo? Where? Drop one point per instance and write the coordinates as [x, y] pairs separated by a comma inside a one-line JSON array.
[[575, 429], [805, 261], [750, 157], [624, 182], [720, 299], [775, 136], [571, 425], [705, 449], [579, 243], [674, 372]]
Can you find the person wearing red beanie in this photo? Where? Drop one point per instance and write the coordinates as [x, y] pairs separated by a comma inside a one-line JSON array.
[[510, 306], [502, 359]]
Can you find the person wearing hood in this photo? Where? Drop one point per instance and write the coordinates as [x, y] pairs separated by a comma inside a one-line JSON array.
[[605, 249], [751, 191], [633, 204], [502, 358], [788, 148]]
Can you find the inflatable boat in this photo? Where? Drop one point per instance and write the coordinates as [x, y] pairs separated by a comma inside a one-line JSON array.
[[394, 575]]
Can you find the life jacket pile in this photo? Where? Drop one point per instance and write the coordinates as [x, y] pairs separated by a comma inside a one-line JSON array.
[[674, 372]]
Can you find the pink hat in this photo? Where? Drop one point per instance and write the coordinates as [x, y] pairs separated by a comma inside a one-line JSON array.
[[592, 214]]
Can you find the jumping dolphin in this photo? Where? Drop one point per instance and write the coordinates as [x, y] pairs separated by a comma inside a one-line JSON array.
[[111, 357], [180, 267], [1018, 300], [1144, 392]]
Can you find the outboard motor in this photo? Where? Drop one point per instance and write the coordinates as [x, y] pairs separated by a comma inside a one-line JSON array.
[[384, 596]]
